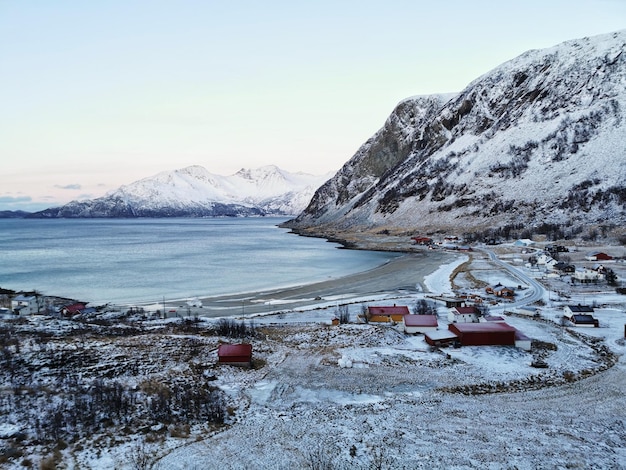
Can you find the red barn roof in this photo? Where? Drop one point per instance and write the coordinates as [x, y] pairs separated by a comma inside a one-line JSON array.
[[75, 308], [482, 334], [235, 354], [229, 350]]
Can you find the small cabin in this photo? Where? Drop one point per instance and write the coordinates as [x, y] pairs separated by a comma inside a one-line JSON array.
[[235, 354], [500, 290]]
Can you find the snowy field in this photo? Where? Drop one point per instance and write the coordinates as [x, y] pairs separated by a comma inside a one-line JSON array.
[[346, 396]]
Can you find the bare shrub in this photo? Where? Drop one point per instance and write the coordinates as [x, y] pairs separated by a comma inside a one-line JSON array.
[[235, 329], [343, 314]]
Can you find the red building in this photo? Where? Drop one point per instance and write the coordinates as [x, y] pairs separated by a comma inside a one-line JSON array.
[[484, 334], [235, 354], [422, 240]]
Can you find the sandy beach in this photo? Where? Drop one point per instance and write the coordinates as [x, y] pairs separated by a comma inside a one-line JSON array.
[[402, 275]]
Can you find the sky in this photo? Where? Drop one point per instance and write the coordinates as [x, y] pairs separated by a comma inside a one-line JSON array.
[[98, 94]]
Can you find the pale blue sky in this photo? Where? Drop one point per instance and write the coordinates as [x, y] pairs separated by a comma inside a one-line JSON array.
[[98, 94]]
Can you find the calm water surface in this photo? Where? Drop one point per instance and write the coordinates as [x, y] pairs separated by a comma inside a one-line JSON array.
[[142, 260]]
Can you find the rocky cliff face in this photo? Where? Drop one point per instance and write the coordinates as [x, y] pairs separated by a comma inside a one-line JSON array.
[[539, 141], [194, 192]]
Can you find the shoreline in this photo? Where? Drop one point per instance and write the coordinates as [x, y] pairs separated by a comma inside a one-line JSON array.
[[403, 275]]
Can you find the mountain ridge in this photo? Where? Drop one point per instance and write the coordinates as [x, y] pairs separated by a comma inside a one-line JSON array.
[[195, 192], [539, 140]]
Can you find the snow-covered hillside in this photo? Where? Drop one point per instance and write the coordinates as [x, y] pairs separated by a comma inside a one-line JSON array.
[[540, 140], [193, 191]]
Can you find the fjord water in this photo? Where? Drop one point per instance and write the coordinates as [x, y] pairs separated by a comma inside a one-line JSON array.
[[144, 260]]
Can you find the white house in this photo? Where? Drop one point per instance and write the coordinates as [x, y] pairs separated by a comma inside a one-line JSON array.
[[463, 315], [587, 275], [570, 310], [26, 304], [419, 323], [580, 315]]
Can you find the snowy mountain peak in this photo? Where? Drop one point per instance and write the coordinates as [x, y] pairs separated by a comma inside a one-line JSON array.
[[537, 142], [194, 191]]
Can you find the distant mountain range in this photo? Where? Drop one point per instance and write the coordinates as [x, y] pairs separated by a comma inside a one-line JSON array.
[[194, 192], [537, 144]]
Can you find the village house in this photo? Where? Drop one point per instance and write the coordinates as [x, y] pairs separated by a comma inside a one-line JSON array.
[[564, 267], [546, 260], [421, 240], [598, 256], [27, 304], [586, 276], [500, 291], [73, 309], [419, 323], [235, 354], [387, 314], [580, 315], [463, 315]]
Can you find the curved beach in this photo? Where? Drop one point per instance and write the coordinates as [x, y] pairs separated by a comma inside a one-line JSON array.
[[402, 275]]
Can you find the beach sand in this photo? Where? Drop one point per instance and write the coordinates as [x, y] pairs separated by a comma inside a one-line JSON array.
[[401, 275]]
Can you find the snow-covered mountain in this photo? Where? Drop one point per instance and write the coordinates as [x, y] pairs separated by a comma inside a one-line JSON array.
[[538, 142], [194, 192]]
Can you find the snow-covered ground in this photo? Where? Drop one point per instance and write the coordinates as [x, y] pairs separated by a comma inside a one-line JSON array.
[[347, 396]]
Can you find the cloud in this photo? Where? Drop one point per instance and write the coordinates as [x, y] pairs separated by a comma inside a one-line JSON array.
[[15, 200], [69, 186]]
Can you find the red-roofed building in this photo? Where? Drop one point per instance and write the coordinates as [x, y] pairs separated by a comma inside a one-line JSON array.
[[235, 354], [419, 323], [393, 313], [73, 309], [484, 334], [463, 314], [422, 240]]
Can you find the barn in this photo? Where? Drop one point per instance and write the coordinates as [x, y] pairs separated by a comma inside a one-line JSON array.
[[484, 334], [393, 313], [419, 323], [235, 354]]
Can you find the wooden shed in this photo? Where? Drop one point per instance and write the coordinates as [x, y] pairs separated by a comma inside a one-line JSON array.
[[393, 313], [419, 323], [484, 334], [235, 354]]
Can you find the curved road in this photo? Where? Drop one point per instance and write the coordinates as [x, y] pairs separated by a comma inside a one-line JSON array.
[[538, 290]]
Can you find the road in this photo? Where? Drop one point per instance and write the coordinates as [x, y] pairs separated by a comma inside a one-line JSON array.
[[538, 291]]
